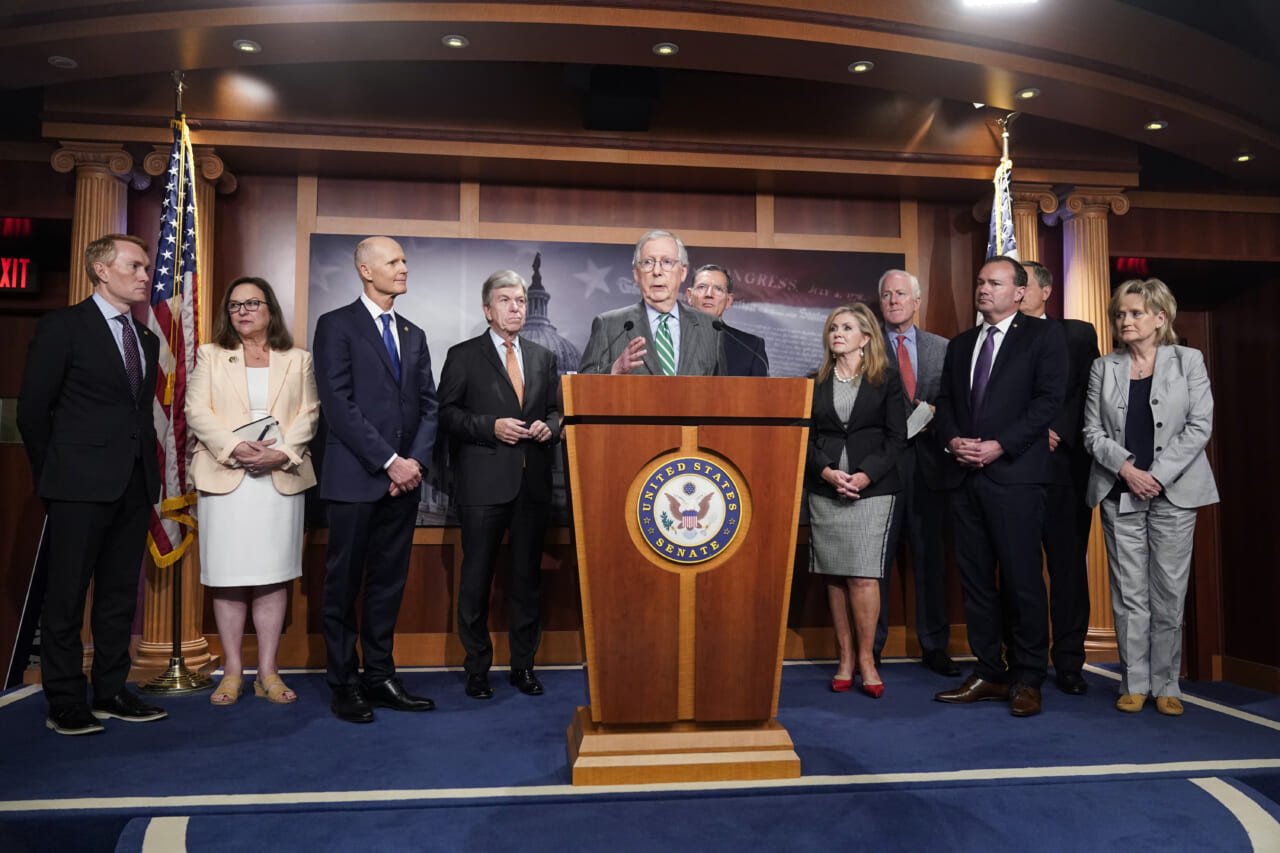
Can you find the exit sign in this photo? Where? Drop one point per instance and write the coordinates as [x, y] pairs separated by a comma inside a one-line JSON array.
[[18, 275]]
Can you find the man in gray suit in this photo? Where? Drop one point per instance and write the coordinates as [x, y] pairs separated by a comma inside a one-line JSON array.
[[918, 355], [658, 335]]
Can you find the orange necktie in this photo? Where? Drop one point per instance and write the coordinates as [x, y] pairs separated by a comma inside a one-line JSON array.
[[904, 366], [513, 371]]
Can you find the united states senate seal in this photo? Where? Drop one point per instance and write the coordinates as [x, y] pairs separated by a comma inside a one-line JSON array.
[[689, 509]]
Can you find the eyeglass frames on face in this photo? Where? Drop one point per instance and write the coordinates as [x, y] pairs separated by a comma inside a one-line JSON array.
[[710, 288], [667, 264], [249, 305]]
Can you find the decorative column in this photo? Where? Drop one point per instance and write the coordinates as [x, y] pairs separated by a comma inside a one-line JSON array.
[[1029, 201], [156, 646], [1086, 293], [102, 183]]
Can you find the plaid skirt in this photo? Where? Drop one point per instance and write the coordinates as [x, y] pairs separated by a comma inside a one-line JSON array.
[[849, 538]]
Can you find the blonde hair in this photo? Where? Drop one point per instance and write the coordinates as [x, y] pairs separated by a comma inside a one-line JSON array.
[[1156, 298], [875, 361], [103, 251]]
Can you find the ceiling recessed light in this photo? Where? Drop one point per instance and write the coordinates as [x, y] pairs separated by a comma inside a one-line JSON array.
[[455, 41], [1243, 157], [247, 46], [66, 63], [1157, 124], [982, 4], [1027, 93], [666, 48], [862, 66]]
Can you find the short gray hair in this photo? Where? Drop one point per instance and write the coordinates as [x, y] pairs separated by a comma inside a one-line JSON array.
[[915, 282], [1040, 272], [658, 234], [499, 280]]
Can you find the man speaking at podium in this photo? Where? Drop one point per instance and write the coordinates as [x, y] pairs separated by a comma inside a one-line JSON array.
[[657, 336]]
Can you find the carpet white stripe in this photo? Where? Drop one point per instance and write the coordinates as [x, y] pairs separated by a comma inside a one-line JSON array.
[[1263, 829], [20, 693], [166, 835], [1061, 773], [1188, 699]]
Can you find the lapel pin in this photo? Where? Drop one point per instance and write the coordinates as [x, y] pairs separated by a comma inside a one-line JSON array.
[[232, 359]]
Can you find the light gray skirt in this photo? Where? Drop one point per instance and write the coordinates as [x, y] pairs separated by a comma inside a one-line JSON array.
[[849, 538]]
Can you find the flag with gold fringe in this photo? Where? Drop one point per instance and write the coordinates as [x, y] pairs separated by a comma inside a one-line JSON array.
[[174, 318], [1000, 239]]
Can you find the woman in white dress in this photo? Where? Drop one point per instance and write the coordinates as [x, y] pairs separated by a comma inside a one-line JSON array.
[[250, 481]]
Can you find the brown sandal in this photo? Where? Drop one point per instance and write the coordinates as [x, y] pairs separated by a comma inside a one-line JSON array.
[[271, 688], [228, 691]]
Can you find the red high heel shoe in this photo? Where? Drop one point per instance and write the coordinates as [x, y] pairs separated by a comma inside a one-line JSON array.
[[875, 691], [841, 685]]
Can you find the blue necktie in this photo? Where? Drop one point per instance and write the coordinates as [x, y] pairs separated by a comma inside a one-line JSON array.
[[981, 372], [390, 343]]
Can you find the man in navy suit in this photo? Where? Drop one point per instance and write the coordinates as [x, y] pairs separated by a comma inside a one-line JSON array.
[[499, 404], [1067, 515], [921, 510], [1002, 385], [373, 372], [84, 411], [712, 293]]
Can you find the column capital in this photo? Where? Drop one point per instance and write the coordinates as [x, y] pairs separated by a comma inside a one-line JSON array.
[[1092, 202], [209, 166], [1030, 198], [104, 156]]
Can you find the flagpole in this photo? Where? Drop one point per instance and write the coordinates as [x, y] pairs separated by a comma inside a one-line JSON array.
[[177, 679]]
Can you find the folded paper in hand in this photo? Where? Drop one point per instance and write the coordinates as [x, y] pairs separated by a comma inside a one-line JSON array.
[[919, 419]]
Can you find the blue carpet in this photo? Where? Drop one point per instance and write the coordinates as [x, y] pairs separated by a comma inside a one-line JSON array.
[[900, 773]]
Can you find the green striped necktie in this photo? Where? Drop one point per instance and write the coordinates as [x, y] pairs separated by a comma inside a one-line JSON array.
[[666, 348]]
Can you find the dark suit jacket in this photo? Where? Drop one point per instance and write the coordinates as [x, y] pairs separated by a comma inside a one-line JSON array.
[[931, 350], [700, 351], [1070, 462], [873, 438], [370, 416], [474, 392], [1024, 392], [744, 353], [81, 425]]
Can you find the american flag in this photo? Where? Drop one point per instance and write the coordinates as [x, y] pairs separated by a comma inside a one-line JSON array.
[[1000, 240], [174, 318]]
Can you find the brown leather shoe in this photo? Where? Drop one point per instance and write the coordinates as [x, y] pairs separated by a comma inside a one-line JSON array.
[[1025, 701], [974, 689]]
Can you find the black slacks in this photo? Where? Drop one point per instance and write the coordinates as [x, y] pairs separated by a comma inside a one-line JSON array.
[[920, 512], [997, 534], [482, 531], [1067, 519], [102, 543], [368, 542]]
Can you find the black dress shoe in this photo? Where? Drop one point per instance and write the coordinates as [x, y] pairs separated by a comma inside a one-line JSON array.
[[526, 682], [391, 694], [1024, 701], [478, 686], [941, 663], [350, 705], [73, 720], [125, 706], [974, 689], [1072, 682]]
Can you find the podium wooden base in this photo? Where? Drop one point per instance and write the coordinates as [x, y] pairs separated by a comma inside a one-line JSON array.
[[679, 752]]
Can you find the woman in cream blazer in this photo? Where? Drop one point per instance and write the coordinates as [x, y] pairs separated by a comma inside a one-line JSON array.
[[250, 505], [1148, 417]]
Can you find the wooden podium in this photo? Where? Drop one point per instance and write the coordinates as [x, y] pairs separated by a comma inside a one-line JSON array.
[[686, 497]]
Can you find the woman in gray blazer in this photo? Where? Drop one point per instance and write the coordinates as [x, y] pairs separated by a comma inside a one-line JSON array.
[[1147, 420]]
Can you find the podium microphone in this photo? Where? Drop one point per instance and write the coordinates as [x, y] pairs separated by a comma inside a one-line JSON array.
[[723, 329], [626, 327]]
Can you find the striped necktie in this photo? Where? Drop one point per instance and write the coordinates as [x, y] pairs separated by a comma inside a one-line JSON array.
[[666, 348]]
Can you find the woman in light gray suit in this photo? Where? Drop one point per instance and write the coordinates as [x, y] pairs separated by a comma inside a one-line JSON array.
[[1147, 420]]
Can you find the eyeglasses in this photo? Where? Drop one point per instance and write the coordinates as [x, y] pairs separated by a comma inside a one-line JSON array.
[[250, 305], [714, 289], [667, 264]]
